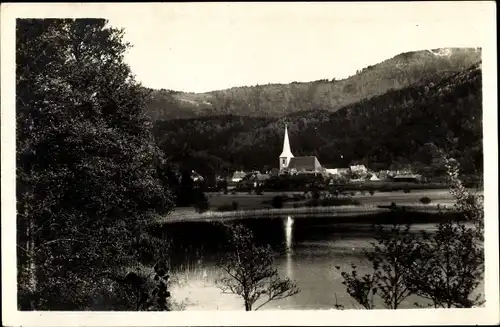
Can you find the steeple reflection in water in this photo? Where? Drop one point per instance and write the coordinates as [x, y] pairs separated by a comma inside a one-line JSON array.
[[288, 240]]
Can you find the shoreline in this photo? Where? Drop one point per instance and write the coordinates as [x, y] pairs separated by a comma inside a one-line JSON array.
[[302, 212]]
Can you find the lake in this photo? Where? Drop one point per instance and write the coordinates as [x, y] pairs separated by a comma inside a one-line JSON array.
[[317, 245]]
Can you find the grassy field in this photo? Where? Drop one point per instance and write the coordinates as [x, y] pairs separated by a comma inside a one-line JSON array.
[[259, 205], [252, 201]]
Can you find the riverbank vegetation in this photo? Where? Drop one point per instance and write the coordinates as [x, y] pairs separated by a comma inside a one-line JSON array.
[[445, 267]]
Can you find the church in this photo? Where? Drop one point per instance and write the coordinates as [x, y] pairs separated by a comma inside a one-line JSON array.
[[292, 164]]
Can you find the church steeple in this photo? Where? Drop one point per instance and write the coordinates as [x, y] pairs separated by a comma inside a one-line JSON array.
[[286, 155]]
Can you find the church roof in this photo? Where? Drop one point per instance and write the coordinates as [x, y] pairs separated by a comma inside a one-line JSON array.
[[287, 152], [304, 163]]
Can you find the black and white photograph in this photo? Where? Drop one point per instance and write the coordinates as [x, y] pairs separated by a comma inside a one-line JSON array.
[[235, 160]]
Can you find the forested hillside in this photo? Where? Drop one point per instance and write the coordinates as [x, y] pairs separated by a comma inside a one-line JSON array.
[[404, 126], [276, 100]]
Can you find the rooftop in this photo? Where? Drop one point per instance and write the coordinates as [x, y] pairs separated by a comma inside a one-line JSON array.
[[304, 163]]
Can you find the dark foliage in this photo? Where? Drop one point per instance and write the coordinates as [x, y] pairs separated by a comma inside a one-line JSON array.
[[202, 204], [87, 165], [425, 200], [277, 201]]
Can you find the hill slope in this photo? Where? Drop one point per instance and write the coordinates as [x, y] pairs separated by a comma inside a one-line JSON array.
[[400, 127], [276, 100]]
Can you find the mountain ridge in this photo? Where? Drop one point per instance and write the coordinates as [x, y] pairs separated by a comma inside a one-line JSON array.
[[278, 99]]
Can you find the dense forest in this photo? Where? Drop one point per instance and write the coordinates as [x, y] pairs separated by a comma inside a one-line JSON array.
[[405, 126], [276, 100]]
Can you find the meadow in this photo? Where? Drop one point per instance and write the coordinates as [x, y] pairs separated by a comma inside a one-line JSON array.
[[260, 204]]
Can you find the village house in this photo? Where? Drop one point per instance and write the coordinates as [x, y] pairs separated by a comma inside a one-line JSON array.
[[384, 174], [255, 179], [342, 171], [332, 171], [307, 164], [358, 169], [237, 176], [273, 172], [374, 178]]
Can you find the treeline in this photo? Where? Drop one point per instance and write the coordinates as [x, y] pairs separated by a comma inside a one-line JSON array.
[[275, 100], [402, 127]]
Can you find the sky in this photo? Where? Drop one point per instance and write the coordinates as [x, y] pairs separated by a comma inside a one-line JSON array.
[[199, 47]]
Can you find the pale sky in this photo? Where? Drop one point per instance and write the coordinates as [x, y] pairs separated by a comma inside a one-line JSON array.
[[209, 46]]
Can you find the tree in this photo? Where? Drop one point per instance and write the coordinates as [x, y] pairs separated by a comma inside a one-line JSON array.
[[87, 179], [362, 289], [445, 267], [202, 204], [250, 271], [188, 194], [390, 258], [451, 261]]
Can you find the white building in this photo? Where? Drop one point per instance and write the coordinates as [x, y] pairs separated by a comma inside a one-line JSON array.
[[332, 171], [238, 176], [360, 169]]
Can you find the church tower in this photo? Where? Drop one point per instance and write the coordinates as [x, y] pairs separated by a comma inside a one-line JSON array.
[[286, 155]]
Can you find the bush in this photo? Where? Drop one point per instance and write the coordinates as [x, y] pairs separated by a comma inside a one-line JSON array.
[[226, 191], [406, 190], [233, 192], [390, 259], [202, 204], [425, 200], [372, 192], [277, 201]]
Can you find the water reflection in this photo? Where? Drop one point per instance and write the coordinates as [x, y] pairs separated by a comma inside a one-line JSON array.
[[288, 241], [288, 232]]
